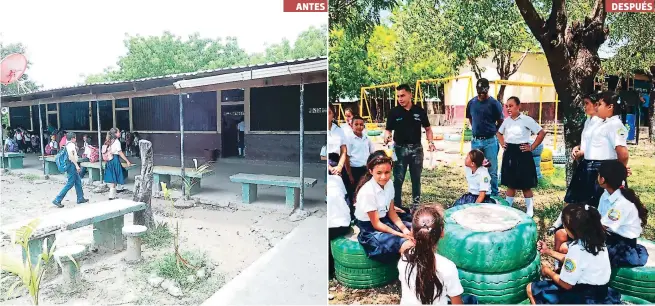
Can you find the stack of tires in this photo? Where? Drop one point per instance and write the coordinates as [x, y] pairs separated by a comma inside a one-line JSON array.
[[493, 246], [559, 157], [546, 165], [468, 134], [638, 282], [354, 269]]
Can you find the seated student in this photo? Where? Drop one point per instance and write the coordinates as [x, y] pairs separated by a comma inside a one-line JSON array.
[[382, 234], [10, 144], [339, 215], [478, 179], [623, 216], [34, 142], [425, 276], [586, 268]]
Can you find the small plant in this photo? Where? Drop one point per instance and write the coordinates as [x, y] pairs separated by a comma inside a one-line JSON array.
[[29, 274], [159, 235], [168, 267], [190, 182], [30, 177], [180, 261]]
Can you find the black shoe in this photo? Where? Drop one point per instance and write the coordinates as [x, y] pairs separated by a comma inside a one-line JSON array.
[[83, 201], [57, 204]]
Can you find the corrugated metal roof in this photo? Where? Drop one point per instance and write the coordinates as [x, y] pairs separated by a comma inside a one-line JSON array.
[[174, 77]]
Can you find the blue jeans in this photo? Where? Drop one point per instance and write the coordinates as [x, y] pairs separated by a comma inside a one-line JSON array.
[[73, 180], [490, 149], [408, 156]]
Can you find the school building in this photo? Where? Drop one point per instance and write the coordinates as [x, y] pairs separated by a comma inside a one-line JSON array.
[[266, 97]]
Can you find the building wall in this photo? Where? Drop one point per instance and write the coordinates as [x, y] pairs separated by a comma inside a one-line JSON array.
[[166, 147], [276, 147]]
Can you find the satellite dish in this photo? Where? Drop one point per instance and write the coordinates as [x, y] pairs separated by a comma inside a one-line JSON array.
[[12, 68]]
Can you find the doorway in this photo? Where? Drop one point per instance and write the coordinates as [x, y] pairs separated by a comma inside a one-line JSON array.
[[231, 115]]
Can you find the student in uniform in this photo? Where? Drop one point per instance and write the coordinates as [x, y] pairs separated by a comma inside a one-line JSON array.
[[339, 215], [74, 172], [623, 216], [115, 174], [337, 142], [586, 267], [578, 190], [518, 168], [360, 148], [348, 126], [241, 141], [382, 234], [425, 276], [478, 178]]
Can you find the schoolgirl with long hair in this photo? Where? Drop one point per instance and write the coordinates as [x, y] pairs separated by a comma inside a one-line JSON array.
[[114, 171], [478, 179]]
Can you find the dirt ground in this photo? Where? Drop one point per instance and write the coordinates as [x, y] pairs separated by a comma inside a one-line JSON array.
[[231, 237]]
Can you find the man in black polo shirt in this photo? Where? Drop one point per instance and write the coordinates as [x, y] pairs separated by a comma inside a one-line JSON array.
[[485, 115], [406, 121]]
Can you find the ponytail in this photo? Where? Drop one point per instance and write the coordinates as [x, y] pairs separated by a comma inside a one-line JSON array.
[[378, 157], [583, 221], [427, 226], [111, 136], [631, 196]]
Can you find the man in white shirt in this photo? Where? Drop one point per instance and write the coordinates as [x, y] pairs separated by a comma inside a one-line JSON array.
[[73, 171], [241, 126]]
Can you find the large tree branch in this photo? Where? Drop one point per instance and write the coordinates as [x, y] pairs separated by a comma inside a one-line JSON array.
[[477, 70], [532, 18], [557, 20], [517, 64]]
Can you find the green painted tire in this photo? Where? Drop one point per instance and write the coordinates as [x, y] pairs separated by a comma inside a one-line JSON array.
[[639, 292], [365, 278], [348, 253], [489, 251], [632, 282], [501, 288], [500, 200], [634, 300], [374, 133]]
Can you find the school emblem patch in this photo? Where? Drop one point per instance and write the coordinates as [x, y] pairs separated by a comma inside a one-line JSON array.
[[621, 132], [614, 214], [569, 265], [486, 179]]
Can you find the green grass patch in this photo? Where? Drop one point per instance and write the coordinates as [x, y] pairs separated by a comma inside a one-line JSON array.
[[167, 266], [30, 177], [158, 236]]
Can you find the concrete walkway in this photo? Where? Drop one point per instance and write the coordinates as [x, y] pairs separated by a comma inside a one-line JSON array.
[[293, 272]]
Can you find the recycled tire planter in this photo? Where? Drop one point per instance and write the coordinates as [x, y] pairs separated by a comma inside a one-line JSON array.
[[501, 288], [488, 238], [374, 133], [547, 155], [354, 269], [638, 282], [500, 200], [633, 300], [559, 159], [453, 137]]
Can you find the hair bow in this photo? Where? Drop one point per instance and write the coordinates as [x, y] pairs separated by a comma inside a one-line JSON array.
[[485, 162]]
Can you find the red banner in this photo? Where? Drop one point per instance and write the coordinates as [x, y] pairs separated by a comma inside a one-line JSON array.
[[305, 5], [637, 6]]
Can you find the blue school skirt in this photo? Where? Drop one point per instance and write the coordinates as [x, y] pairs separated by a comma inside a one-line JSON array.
[[584, 188], [468, 198], [518, 168], [114, 172], [625, 252], [380, 246], [547, 292]]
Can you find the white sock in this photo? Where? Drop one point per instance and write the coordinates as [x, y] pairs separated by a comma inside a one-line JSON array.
[[112, 192], [529, 203], [510, 200], [239, 151], [558, 222]]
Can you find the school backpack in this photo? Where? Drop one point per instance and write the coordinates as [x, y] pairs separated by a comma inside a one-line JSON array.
[[62, 160], [12, 146], [106, 153], [93, 154], [48, 149]]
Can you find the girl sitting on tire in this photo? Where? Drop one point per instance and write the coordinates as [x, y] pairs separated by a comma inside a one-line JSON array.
[[478, 179], [623, 216], [425, 276], [586, 267], [382, 234], [518, 168]]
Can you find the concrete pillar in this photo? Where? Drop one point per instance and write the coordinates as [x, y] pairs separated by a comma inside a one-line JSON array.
[[133, 234]]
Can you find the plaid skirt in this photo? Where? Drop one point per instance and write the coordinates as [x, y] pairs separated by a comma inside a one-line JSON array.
[[625, 252], [547, 292]]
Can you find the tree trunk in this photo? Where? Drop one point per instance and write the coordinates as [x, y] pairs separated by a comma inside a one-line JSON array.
[[143, 186]]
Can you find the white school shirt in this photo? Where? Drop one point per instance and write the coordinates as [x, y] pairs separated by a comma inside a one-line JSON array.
[[338, 210], [71, 149], [519, 130], [241, 126], [447, 274], [589, 126], [359, 149], [335, 139], [115, 147], [605, 137], [347, 129], [372, 197], [582, 267], [478, 181], [619, 215]]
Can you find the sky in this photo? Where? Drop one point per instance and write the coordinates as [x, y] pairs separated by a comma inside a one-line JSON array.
[[66, 39]]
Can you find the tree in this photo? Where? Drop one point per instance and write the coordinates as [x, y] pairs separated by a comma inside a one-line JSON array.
[[348, 65], [25, 83], [357, 17], [311, 43], [572, 54]]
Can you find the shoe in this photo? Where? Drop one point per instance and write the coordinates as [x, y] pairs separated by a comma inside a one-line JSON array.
[[83, 201], [57, 204]]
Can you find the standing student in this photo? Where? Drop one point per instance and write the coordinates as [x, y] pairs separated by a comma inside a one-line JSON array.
[[406, 121], [382, 234], [338, 143], [426, 277], [581, 188], [115, 174], [52, 147], [623, 216], [586, 267], [241, 141], [339, 215], [360, 148], [485, 115], [348, 126], [73, 171], [518, 170], [478, 179]]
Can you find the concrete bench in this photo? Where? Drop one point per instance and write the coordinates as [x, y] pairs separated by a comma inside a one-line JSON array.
[[107, 218], [51, 164], [162, 174], [94, 169], [13, 160], [250, 181]]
